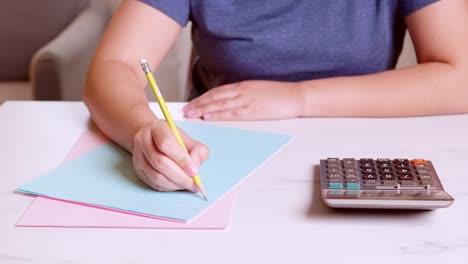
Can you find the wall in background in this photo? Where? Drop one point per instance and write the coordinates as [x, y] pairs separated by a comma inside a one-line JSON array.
[[408, 56]]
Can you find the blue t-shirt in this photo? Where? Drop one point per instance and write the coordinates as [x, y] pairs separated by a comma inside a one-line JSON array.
[[290, 40]]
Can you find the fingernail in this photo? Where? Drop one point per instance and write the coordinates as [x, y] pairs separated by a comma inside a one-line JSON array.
[[190, 113], [186, 108], [206, 116]]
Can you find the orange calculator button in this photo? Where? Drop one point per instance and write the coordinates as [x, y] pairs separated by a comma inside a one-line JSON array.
[[419, 161]]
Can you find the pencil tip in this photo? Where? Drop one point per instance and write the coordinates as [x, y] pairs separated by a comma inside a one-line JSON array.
[[204, 197]]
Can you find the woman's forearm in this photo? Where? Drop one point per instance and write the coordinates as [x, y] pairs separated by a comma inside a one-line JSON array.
[[423, 89], [117, 101], [114, 91]]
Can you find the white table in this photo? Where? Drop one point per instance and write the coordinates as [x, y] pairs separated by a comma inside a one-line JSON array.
[[278, 215]]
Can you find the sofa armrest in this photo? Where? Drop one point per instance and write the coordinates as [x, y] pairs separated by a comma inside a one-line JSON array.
[[58, 70]]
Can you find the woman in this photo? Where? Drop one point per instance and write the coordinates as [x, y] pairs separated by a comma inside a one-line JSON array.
[[274, 59]]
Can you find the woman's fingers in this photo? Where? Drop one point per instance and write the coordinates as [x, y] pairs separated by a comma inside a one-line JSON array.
[[198, 151], [163, 163], [166, 142], [216, 106], [242, 113], [221, 94], [150, 176], [162, 168]]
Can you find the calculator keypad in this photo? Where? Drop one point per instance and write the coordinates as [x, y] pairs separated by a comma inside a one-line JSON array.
[[402, 183], [381, 173]]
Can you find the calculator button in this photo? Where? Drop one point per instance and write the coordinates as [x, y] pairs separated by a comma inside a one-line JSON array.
[[406, 177], [370, 182], [406, 183], [386, 170], [333, 170], [349, 163], [385, 165], [366, 161], [383, 160], [403, 170], [353, 185], [425, 179], [368, 171], [421, 166], [335, 185], [423, 171], [351, 175], [334, 176], [425, 176], [352, 180], [401, 160], [388, 176], [369, 176], [335, 179], [389, 182], [350, 171], [333, 164], [367, 165], [402, 166], [419, 161]]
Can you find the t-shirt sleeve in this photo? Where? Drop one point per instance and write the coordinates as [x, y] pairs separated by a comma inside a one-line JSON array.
[[179, 10], [407, 7]]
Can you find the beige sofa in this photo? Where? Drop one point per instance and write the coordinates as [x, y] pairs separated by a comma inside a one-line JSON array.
[[46, 47]]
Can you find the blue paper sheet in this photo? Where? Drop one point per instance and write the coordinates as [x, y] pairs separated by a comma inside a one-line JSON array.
[[105, 176]]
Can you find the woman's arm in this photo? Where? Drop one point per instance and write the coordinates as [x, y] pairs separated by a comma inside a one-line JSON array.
[[115, 88], [437, 85], [117, 101]]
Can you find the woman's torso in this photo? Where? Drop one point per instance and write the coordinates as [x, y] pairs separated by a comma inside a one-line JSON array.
[[288, 40]]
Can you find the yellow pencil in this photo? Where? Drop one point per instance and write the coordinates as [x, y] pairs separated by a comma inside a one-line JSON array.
[[167, 115]]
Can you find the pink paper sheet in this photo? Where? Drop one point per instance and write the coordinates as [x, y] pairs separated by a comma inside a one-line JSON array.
[[47, 212]]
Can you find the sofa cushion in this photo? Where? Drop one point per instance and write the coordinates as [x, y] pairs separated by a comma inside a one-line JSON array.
[[26, 26]]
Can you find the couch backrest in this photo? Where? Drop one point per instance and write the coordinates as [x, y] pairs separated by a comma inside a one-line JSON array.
[[27, 25]]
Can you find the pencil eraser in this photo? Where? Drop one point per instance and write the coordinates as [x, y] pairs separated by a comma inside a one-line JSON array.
[[142, 61]]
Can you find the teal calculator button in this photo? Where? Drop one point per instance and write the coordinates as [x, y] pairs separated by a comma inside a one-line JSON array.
[[335, 185], [353, 185]]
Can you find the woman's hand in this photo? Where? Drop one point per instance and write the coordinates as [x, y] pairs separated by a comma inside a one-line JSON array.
[[247, 100], [161, 162]]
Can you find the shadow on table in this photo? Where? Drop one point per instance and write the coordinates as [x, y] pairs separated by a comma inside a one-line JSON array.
[[319, 210], [92, 126]]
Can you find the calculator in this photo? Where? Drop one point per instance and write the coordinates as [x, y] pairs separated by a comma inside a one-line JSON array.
[[382, 183]]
